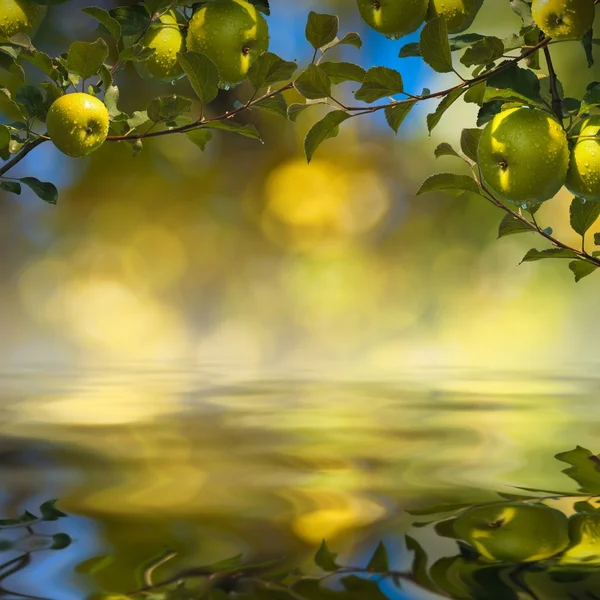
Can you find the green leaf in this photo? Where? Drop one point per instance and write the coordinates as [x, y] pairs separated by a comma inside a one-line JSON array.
[[514, 83], [379, 561], [42, 61], [85, 59], [449, 182], [583, 215], [44, 190], [325, 129], [53, 92], [32, 99], [510, 225], [523, 9], [483, 52], [106, 77], [313, 83], [269, 69], [396, 114], [5, 139], [159, 6], [469, 142], [591, 98], [581, 269], [13, 187], [435, 117], [378, 83], [410, 50], [275, 105], [339, 72], [351, 39], [445, 149], [475, 93], [103, 16], [583, 470], [294, 110], [248, 131], [434, 45], [60, 541], [166, 108], [534, 254], [488, 111], [200, 137], [136, 53], [9, 107], [325, 559], [138, 118], [132, 19], [262, 6], [458, 42], [321, 29], [588, 47], [202, 73], [111, 99]]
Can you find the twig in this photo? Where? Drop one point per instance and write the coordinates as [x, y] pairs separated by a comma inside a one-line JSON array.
[[533, 225], [17, 158], [556, 101]]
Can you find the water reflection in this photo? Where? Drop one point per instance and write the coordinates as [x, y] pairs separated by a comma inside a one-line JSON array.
[[200, 467]]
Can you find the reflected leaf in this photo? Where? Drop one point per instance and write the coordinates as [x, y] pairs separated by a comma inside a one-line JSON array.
[[583, 469], [325, 559], [379, 561]]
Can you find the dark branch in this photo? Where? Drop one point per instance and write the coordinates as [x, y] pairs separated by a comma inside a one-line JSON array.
[[556, 101]]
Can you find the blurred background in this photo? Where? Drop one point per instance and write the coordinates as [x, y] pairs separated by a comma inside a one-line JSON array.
[[246, 256], [197, 346]]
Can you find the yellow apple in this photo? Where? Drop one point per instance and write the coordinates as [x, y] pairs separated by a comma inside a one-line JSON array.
[[514, 532], [77, 124], [20, 16], [564, 19], [393, 17], [166, 38], [232, 33], [459, 14], [524, 155], [583, 178]]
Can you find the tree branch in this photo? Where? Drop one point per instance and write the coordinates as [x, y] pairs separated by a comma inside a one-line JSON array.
[[362, 109], [17, 158], [533, 225], [556, 101]]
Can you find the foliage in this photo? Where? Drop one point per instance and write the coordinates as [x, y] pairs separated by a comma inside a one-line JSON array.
[[506, 73], [385, 571]]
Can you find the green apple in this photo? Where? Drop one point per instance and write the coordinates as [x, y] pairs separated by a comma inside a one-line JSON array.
[[393, 17], [564, 19], [524, 155], [166, 39], [77, 124], [514, 532], [583, 177], [232, 33], [459, 14], [20, 16], [584, 531]]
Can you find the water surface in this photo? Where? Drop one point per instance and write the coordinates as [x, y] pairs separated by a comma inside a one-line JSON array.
[[205, 466]]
